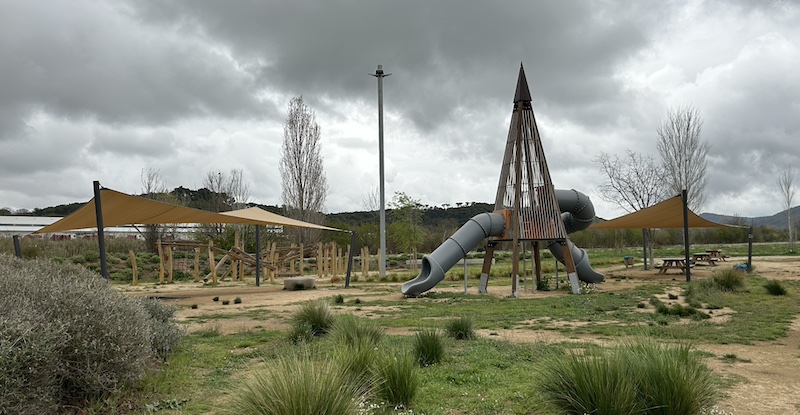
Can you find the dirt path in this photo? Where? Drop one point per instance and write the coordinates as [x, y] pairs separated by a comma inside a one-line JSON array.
[[768, 374]]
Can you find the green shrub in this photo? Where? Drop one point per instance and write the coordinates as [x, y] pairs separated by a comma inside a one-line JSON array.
[[398, 379], [103, 339], [460, 328], [91, 256], [299, 385], [317, 315], [428, 347], [226, 302], [728, 279], [774, 287], [164, 332], [349, 330], [339, 299], [237, 300], [645, 377]]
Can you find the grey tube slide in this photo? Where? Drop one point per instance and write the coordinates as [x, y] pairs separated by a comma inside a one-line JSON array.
[[577, 214], [435, 265]]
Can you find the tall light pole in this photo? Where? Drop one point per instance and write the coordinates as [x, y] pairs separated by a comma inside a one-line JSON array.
[[380, 75]]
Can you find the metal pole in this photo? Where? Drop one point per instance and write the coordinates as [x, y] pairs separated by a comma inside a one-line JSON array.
[[750, 249], [465, 273], [380, 75], [644, 248], [686, 235], [350, 256], [101, 241], [258, 256], [17, 249]]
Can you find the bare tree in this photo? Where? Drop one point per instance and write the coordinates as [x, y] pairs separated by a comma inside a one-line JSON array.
[[633, 182], [683, 154], [371, 202], [302, 174], [238, 189], [786, 185], [153, 187]]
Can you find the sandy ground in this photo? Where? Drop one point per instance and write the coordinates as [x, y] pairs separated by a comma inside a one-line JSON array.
[[769, 372]]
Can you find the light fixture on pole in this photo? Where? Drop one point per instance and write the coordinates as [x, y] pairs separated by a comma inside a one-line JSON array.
[[380, 75]]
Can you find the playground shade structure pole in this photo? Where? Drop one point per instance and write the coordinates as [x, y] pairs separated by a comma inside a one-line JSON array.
[[17, 248], [684, 195], [258, 256], [101, 241]]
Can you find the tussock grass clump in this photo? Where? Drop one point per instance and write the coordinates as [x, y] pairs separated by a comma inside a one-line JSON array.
[[315, 315], [460, 328], [774, 287], [349, 330], [357, 361], [730, 279], [339, 299], [644, 377], [428, 347], [298, 385], [399, 380]]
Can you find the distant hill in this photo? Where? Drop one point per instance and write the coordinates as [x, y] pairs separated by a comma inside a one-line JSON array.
[[777, 220]]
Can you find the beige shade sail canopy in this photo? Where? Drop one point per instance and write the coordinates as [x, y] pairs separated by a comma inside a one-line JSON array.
[[123, 209], [666, 214]]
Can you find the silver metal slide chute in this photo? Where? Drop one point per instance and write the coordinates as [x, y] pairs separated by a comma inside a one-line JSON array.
[[435, 265], [577, 212]]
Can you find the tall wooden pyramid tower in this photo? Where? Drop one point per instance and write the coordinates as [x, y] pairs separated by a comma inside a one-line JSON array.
[[525, 191]]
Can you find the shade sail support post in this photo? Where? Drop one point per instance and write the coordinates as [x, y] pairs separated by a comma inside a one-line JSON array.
[[101, 240], [684, 196]]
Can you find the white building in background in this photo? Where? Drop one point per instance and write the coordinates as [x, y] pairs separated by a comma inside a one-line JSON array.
[[26, 225]]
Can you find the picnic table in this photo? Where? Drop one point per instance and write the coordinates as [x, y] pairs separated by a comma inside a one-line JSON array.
[[672, 263], [716, 254], [704, 257]]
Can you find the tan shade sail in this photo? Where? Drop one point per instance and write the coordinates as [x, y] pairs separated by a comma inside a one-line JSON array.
[[123, 209], [667, 214]]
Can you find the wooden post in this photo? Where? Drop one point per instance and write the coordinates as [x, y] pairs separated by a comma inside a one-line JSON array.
[[132, 257], [320, 260], [170, 263], [241, 263], [487, 267], [160, 262], [212, 262], [291, 260], [196, 264], [301, 260], [235, 262], [273, 259]]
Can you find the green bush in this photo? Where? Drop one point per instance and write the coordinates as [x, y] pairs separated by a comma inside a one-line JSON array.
[[398, 378], [728, 279], [774, 287], [460, 328], [317, 315], [164, 333], [349, 330], [102, 338], [339, 299], [298, 385], [428, 347], [645, 377]]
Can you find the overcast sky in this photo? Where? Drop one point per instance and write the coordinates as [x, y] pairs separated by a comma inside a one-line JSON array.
[[97, 90]]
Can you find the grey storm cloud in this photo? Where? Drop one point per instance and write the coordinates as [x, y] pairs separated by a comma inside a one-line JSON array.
[[189, 85]]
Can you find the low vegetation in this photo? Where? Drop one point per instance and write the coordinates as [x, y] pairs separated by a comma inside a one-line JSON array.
[[68, 338]]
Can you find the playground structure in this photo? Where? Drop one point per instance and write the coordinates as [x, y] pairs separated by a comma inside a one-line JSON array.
[[527, 208], [325, 260]]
